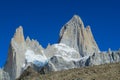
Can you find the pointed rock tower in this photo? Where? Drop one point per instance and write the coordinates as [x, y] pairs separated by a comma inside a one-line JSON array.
[[16, 57], [75, 35]]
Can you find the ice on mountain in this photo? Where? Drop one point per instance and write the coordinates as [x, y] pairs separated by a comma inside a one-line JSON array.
[[38, 60]]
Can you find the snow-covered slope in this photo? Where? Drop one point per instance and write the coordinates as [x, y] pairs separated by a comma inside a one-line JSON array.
[[62, 50], [66, 51], [37, 59]]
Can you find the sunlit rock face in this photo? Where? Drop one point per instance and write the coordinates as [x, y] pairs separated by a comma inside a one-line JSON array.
[[75, 35]]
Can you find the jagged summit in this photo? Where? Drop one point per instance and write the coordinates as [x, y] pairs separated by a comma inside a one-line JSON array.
[[27, 39], [76, 20], [76, 36], [19, 36], [77, 17]]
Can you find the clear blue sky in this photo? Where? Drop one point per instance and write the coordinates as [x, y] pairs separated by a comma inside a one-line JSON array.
[[43, 19]]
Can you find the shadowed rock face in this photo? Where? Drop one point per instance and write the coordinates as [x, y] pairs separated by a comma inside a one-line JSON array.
[[76, 36], [4, 75]]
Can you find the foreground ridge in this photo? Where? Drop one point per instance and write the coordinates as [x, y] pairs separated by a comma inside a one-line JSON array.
[[101, 72]]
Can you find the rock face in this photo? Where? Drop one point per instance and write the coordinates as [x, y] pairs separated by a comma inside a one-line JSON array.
[[58, 63], [34, 45], [103, 58], [76, 36], [4, 75], [16, 58], [61, 57]]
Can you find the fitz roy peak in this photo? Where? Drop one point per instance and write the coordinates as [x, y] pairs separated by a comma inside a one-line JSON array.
[[75, 35], [76, 48]]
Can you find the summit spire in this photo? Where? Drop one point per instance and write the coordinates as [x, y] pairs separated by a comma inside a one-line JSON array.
[[19, 36], [76, 36]]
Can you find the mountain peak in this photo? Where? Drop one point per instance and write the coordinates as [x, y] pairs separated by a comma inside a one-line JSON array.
[[19, 36], [28, 39], [76, 20], [19, 30], [76, 17], [76, 36]]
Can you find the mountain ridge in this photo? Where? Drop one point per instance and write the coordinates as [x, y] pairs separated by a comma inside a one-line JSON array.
[[76, 48]]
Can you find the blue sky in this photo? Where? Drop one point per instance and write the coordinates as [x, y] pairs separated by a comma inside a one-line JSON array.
[[43, 19]]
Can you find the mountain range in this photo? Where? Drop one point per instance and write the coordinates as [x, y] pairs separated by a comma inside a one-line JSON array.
[[76, 48]]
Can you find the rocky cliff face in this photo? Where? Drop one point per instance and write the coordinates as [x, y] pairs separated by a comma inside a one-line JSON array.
[[75, 35], [16, 56], [103, 58], [4, 75]]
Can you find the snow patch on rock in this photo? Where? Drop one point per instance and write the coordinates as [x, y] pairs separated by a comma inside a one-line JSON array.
[[66, 51], [38, 60]]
